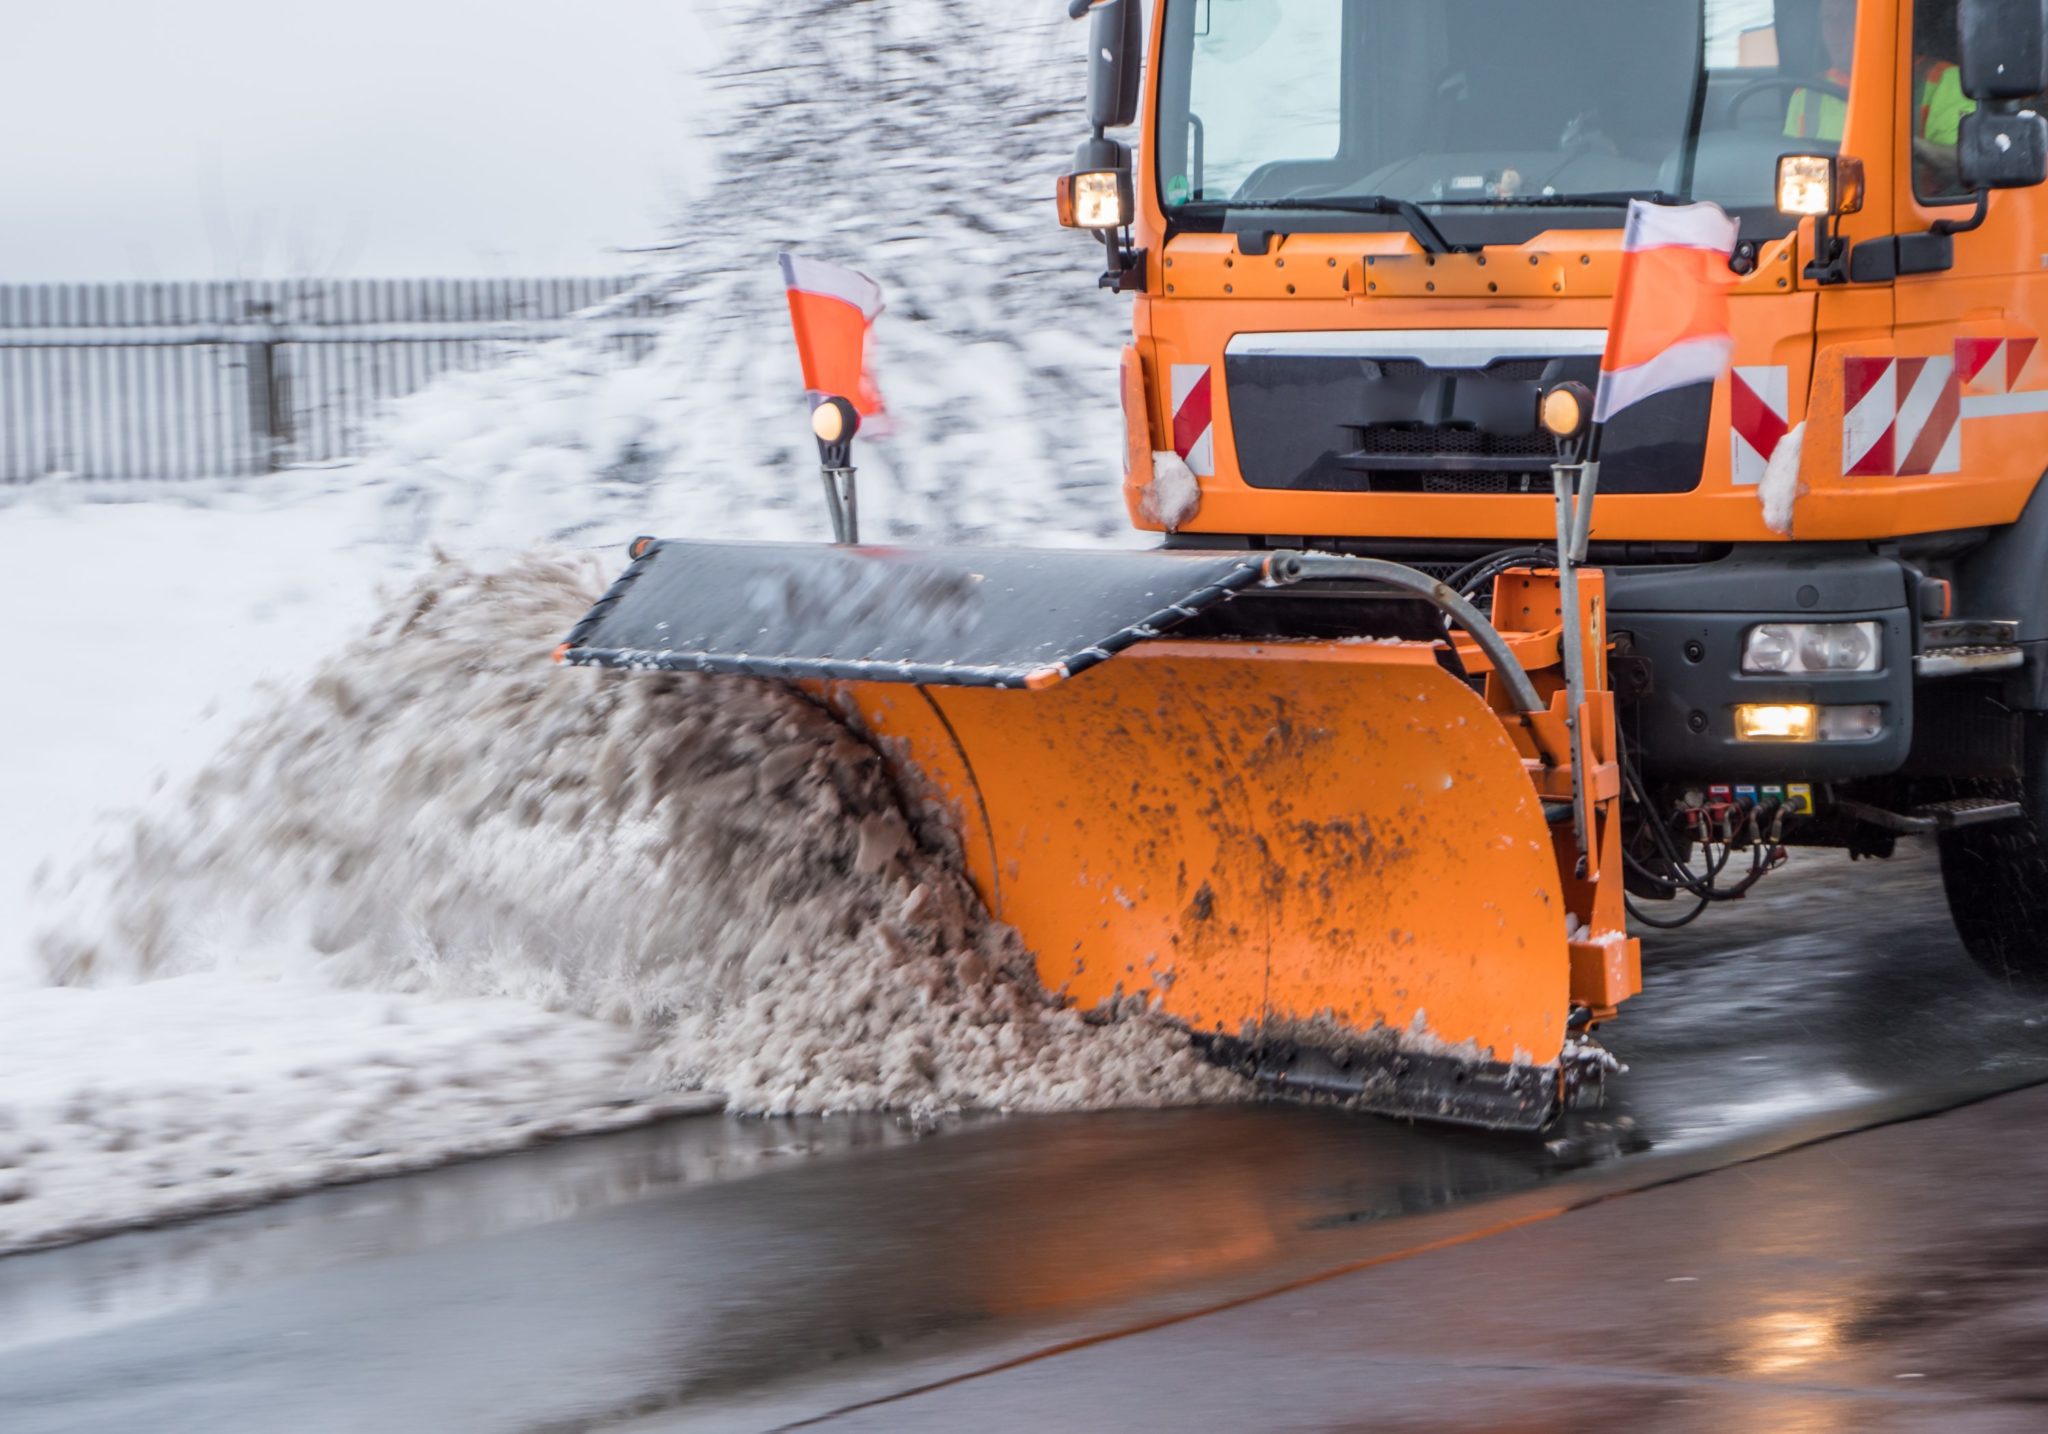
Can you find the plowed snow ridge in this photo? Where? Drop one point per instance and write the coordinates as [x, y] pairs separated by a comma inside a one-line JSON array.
[[717, 865]]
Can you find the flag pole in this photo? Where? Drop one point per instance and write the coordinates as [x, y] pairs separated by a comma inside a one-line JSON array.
[[1589, 485], [1668, 328], [834, 422], [832, 311], [1572, 482]]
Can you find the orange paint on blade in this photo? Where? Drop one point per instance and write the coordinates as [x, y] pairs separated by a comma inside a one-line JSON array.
[[1248, 834]]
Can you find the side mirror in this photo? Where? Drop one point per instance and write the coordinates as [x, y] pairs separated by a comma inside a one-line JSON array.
[[2004, 48], [2000, 151], [1116, 63]]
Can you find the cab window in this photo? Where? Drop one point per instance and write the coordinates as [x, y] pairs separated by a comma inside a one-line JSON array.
[[1937, 103]]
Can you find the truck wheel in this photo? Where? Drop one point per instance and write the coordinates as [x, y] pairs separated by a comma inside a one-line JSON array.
[[1996, 877]]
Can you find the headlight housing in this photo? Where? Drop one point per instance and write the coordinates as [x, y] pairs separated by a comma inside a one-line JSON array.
[[1096, 199], [1772, 648], [1820, 184]]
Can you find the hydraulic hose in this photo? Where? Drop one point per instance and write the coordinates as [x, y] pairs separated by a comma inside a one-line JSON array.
[[1285, 569]]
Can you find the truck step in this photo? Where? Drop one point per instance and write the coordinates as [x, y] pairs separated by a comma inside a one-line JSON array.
[[1973, 661], [1936, 816], [1970, 632]]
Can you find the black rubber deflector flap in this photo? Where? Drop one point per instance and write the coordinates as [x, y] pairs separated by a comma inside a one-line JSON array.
[[960, 617]]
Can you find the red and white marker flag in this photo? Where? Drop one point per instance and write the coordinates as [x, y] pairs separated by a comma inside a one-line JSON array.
[[1670, 326], [832, 309]]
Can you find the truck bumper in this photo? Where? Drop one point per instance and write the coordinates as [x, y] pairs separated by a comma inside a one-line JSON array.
[[1679, 633]]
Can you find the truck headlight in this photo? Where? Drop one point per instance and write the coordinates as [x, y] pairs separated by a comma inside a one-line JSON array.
[[1839, 647], [1776, 647], [1770, 648]]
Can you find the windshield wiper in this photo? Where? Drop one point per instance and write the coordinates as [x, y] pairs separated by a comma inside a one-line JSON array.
[[1419, 224], [1603, 199]]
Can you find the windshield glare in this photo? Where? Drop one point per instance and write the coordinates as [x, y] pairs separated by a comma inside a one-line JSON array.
[[1486, 102]]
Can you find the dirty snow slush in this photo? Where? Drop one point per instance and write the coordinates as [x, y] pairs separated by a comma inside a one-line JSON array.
[[718, 868]]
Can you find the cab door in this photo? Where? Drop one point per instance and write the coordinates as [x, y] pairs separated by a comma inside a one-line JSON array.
[[1969, 388]]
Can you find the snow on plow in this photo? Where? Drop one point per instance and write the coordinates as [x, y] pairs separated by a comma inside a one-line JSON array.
[[1263, 793]]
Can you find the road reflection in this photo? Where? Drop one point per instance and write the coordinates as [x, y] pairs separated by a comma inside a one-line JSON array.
[[717, 1257]]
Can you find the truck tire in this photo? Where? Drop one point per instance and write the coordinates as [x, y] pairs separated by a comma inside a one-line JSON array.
[[1996, 877]]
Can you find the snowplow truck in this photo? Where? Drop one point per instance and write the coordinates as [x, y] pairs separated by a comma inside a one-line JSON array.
[[1376, 767]]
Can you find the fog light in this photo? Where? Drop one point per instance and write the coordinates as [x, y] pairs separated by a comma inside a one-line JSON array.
[[1851, 724], [1777, 722], [1812, 647]]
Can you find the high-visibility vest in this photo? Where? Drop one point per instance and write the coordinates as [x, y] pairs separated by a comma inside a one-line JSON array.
[[1942, 102], [1814, 115]]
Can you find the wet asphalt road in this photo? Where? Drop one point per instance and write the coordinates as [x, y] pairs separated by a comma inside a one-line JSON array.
[[1888, 1282], [720, 1273]]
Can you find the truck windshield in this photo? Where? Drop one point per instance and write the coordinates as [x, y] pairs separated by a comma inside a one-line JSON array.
[[1481, 107]]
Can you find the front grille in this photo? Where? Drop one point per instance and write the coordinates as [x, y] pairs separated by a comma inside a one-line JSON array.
[[1337, 423], [1484, 483], [1506, 370], [1403, 440]]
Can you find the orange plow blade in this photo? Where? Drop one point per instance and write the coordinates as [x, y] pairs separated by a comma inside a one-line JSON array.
[[1327, 858], [1274, 816]]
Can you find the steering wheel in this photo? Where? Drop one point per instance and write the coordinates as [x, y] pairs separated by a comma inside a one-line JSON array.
[[1786, 85]]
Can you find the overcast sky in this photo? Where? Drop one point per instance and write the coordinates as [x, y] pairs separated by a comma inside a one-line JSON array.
[[191, 139]]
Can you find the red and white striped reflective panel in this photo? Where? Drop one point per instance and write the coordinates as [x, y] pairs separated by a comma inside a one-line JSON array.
[[1760, 411], [1992, 365], [1194, 423], [1901, 415]]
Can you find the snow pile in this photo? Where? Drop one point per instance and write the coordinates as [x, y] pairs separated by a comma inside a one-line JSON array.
[[124, 1106], [700, 887], [915, 140], [718, 864], [1781, 486], [1173, 495], [149, 613]]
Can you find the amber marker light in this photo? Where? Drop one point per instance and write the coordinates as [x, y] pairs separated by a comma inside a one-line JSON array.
[[1564, 410], [828, 421]]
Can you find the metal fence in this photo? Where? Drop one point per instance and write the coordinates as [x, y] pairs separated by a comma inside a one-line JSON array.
[[188, 380]]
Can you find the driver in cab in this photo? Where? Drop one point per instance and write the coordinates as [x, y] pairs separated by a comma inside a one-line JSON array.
[[1819, 112]]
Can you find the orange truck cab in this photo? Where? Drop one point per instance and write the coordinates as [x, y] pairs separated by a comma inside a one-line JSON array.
[[1362, 237]]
